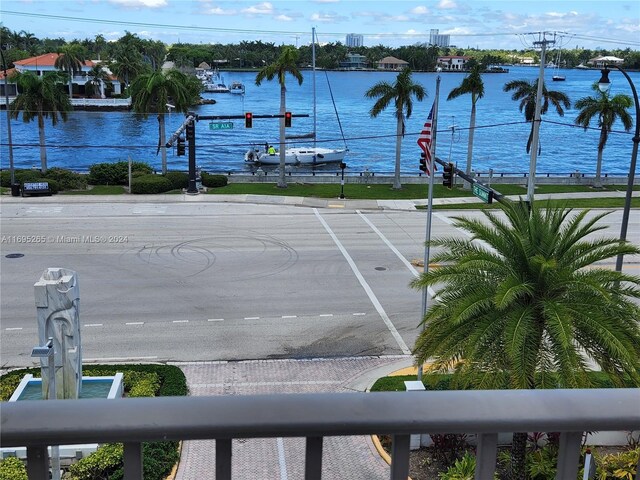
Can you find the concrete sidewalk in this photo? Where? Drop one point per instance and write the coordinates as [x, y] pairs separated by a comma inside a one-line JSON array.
[[343, 458], [352, 204]]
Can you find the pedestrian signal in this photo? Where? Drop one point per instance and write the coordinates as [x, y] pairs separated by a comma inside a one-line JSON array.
[[287, 119], [447, 175], [248, 120]]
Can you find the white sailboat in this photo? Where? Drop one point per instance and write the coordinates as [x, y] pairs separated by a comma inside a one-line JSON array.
[[312, 155], [556, 76]]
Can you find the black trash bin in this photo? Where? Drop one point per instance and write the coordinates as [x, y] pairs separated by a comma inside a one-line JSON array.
[[15, 189]]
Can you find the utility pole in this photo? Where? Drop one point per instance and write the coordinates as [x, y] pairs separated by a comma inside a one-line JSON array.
[[6, 100], [536, 120]]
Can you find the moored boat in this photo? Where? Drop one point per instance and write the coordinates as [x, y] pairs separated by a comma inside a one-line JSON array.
[[237, 88], [296, 156]]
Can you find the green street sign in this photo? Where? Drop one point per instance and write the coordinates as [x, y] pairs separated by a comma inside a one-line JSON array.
[[220, 125], [483, 193]]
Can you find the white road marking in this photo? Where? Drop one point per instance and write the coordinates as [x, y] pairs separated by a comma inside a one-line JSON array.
[[289, 316], [93, 325], [359, 314], [134, 323], [13, 328], [43, 210], [149, 209], [252, 318], [365, 285], [181, 321], [215, 320], [396, 251], [281, 459], [326, 315]]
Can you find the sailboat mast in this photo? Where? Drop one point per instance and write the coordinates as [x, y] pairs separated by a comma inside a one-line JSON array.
[[313, 63]]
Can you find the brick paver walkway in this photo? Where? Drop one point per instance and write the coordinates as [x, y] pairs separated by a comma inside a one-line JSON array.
[[344, 458]]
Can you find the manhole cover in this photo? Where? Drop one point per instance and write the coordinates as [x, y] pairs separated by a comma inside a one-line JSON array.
[[381, 268], [14, 255]]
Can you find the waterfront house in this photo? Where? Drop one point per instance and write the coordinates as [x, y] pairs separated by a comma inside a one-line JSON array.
[[354, 61], [599, 62], [46, 63], [453, 62], [392, 63]]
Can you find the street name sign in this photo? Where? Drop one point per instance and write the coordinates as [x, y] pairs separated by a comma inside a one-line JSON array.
[[220, 125], [483, 193]]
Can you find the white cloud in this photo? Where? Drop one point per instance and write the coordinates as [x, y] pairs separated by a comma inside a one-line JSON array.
[[447, 4], [140, 3], [265, 8], [421, 10], [327, 17], [284, 18]]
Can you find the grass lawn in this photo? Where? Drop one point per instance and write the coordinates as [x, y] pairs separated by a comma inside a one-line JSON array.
[[98, 190]]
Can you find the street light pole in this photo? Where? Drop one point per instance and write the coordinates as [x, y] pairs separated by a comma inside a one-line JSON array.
[[603, 85], [6, 103], [342, 167]]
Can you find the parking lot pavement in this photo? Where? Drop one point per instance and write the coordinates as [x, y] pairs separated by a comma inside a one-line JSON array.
[[352, 458]]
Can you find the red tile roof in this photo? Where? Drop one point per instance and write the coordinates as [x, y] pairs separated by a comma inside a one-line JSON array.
[[46, 60]]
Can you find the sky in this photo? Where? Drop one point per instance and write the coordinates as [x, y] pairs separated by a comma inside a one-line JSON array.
[[508, 24]]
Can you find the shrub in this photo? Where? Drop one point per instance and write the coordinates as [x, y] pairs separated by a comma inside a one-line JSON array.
[[213, 181], [150, 184], [20, 176], [115, 173], [448, 447], [67, 180], [618, 465], [178, 179], [12, 468], [106, 462], [462, 469]]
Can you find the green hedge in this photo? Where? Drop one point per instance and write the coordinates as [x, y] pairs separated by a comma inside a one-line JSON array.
[[66, 179], [213, 181], [150, 184], [158, 457], [115, 173], [12, 468], [178, 180], [447, 382]]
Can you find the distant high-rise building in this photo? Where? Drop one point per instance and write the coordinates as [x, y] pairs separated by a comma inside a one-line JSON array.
[[435, 38], [354, 40]]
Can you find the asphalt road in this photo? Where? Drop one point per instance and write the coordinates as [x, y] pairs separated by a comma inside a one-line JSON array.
[[221, 281]]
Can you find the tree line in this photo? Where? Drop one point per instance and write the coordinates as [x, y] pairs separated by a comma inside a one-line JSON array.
[[132, 50]]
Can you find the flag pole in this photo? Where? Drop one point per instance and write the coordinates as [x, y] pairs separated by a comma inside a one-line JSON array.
[[432, 168]]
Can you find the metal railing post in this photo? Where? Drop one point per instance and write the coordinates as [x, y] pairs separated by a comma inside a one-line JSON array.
[[569, 455], [313, 459], [400, 457], [223, 459], [132, 461], [486, 456], [37, 462]]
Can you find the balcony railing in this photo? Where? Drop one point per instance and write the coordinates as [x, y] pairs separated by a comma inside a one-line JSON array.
[[36, 424]]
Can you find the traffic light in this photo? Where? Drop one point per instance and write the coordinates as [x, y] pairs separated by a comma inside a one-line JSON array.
[[248, 120], [447, 175], [180, 147], [287, 119], [423, 162]]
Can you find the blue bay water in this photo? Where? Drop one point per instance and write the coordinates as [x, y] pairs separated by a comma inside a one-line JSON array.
[[499, 141]]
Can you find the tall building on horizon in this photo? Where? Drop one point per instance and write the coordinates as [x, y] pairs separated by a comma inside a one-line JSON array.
[[435, 38], [354, 40]]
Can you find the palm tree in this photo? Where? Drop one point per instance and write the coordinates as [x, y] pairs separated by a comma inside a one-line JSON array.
[[286, 63], [40, 97], [526, 92], [151, 92], [98, 78], [401, 93], [70, 59], [127, 64], [607, 110], [529, 311], [474, 85]]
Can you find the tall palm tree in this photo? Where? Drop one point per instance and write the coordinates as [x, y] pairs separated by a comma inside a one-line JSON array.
[[127, 64], [529, 311], [98, 78], [151, 92], [286, 63], [40, 97], [474, 85], [607, 110], [71, 59], [401, 93], [526, 92]]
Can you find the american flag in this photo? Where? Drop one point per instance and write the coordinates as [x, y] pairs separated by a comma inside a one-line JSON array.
[[424, 140]]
